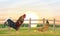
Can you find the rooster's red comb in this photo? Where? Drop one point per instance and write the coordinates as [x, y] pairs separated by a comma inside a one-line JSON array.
[[24, 15]]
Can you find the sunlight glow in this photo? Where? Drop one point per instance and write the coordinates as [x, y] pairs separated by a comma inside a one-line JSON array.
[[32, 15]]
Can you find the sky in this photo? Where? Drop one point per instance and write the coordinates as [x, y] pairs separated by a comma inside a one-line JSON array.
[[42, 8]]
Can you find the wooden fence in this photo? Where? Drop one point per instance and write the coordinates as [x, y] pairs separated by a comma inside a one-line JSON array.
[[43, 20]]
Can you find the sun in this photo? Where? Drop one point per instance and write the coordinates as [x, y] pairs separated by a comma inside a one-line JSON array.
[[30, 14]]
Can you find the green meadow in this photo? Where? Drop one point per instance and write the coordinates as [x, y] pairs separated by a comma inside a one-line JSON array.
[[24, 31]]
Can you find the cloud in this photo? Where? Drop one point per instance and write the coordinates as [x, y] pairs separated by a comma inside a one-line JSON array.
[[25, 3], [43, 6], [6, 3]]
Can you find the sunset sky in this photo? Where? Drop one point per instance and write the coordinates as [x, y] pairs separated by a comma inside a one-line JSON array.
[[35, 9]]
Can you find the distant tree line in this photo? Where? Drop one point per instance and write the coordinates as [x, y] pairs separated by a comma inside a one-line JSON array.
[[26, 25]]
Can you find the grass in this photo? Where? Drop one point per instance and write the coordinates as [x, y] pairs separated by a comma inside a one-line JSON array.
[[26, 32]]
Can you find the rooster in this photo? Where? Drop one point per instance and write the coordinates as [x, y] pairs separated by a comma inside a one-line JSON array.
[[16, 24]]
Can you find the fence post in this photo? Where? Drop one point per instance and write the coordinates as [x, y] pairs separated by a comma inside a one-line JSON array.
[[43, 21], [29, 24], [54, 25]]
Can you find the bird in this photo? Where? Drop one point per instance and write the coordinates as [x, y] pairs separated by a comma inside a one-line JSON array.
[[17, 24], [45, 27]]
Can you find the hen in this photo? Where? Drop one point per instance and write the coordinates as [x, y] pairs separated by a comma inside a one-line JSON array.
[[45, 27]]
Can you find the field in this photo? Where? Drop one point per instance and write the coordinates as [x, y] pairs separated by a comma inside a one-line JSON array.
[[25, 32]]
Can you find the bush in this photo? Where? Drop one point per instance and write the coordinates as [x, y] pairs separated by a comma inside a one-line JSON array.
[[24, 25], [39, 25]]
